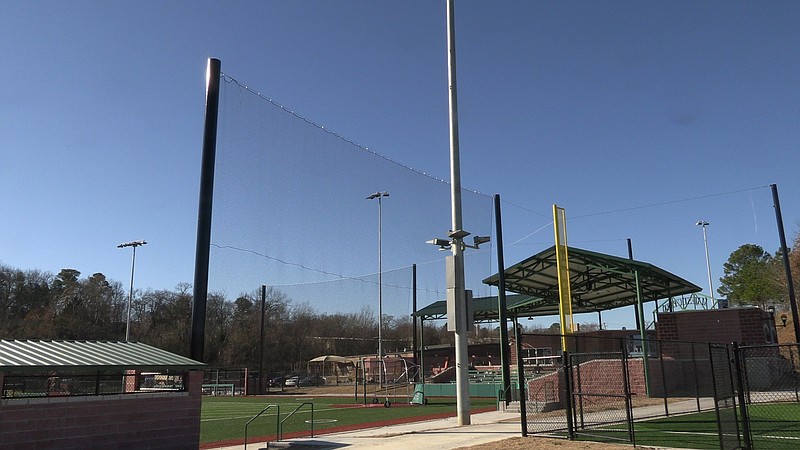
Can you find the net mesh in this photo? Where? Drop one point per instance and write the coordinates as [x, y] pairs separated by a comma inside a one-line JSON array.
[[290, 211]]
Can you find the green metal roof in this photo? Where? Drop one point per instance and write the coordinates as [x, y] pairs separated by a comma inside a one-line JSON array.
[[483, 308], [598, 282], [35, 355]]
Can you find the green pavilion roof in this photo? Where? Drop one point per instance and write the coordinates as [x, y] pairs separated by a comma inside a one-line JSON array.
[[598, 281], [35, 355]]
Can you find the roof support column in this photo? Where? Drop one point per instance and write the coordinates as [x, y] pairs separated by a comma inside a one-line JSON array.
[[642, 323]]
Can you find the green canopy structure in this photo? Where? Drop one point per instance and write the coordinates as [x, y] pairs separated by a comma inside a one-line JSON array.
[[598, 281]]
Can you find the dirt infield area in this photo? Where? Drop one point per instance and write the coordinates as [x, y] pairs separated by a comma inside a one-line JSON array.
[[526, 443]]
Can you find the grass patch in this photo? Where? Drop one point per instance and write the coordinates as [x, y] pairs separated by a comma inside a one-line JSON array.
[[224, 418], [773, 426]]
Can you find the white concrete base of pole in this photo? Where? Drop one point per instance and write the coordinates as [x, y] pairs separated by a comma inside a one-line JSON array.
[[462, 378]]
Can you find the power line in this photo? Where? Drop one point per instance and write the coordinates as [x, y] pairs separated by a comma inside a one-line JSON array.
[[671, 202]]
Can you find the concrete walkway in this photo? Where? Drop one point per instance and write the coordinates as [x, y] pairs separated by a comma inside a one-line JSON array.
[[445, 434], [440, 434]]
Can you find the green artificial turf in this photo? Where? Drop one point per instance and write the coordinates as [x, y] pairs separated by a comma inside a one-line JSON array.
[[773, 426], [224, 418]]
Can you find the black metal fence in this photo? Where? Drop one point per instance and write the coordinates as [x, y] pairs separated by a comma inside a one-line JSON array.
[[600, 399], [230, 381], [65, 384], [618, 389], [771, 379]]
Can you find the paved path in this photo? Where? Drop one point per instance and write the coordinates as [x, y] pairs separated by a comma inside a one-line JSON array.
[[444, 434], [440, 434]]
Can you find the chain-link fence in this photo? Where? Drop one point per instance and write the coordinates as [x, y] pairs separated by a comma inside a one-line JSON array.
[[70, 384], [600, 394], [771, 377], [691, 392], [723, 371], [230, 381]]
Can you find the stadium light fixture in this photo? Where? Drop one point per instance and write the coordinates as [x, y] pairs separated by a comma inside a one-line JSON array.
[[704, 224], [133, 244], [477, 241], [445, 244]]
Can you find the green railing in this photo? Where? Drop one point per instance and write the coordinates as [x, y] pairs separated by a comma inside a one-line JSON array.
[[280, 426], [277, 422]]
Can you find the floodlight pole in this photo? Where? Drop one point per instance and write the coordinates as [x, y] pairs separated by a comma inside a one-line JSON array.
[[414, 332], [132, 244], [379, 196], [461, 334], [704, 224]]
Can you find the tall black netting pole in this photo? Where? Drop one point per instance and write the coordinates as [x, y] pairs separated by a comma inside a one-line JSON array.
[[203, 246], [786, 266]]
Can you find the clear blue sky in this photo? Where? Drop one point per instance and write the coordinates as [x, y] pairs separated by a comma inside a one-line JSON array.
[[598, 106]]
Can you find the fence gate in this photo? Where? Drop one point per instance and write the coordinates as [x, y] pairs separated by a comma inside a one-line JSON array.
[[723, 372], [600, 400], [771, 395], [545, 406]]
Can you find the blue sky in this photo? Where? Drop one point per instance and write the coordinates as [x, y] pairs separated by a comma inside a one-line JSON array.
[[618, 111]]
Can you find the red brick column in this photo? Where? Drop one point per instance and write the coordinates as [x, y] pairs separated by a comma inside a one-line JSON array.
[[131, 380]]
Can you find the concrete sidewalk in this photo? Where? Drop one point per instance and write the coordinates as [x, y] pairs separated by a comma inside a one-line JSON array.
[[441, 434], [445, 434]]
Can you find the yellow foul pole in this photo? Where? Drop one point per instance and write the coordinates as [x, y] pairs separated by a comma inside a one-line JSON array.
[[562, 263]]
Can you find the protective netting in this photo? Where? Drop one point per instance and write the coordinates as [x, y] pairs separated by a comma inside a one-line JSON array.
[[290, 211]]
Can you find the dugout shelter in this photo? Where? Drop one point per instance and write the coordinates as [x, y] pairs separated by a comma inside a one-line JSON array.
[[97, 394]]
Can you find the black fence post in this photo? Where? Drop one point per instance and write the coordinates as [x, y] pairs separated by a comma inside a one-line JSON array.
[[739, 366], [626, 390], [714, 386], [523, 397], [791, 357], [663, 376], [577, 389], [568, 398], [696, 378]]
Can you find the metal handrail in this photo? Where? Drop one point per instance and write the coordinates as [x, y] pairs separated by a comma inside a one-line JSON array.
[[277, 424], [280, 425]]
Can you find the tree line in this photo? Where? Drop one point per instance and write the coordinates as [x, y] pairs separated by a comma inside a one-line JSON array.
[[39, 305], [753, 276]]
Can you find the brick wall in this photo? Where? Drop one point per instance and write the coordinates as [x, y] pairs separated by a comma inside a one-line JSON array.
[[680, 378], [600, 376], [134, 421], [743, 325], [670, 377]]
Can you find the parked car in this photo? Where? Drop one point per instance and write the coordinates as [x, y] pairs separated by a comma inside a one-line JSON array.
[[276, 382], [293, 381], [312, 380]]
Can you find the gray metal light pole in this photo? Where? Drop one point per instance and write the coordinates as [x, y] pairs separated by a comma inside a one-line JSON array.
[[704, 224], [457, 233], [379, 196], [133, 244]]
